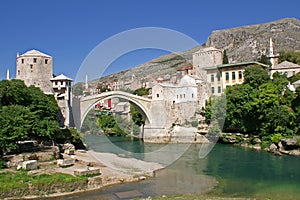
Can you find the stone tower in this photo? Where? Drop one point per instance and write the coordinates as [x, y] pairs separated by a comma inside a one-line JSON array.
[[206, 57], [63, 94], [35, 68]]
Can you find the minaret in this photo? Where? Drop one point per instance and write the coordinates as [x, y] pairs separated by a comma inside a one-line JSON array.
[[7, 75], [86, 82], [273, 57]]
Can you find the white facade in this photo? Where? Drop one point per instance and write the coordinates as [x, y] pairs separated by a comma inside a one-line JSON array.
[[184, 91], [63, 95]]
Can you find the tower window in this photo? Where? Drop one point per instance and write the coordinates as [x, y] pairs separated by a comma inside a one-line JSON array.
[[192, 95], [157, 95], [22, 61], [46, 61], [18, 72], [34, 60], [31, 66]]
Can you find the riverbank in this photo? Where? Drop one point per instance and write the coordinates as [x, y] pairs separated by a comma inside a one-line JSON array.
[[277, 144], [117, 170]]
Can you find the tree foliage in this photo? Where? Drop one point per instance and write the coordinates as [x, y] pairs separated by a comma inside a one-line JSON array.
[[262, 106], [225, 58], [255, 76], [26, 113], [290, 56]]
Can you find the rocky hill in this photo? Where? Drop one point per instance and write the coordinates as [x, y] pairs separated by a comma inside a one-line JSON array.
[[246, 43]]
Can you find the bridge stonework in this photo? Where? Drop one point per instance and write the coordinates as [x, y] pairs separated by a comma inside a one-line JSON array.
[[153, 111]]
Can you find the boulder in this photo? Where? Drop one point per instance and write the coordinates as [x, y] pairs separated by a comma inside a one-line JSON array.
[[30, 164], [272, 147], [69, 149], [289, 143], [65, 162]]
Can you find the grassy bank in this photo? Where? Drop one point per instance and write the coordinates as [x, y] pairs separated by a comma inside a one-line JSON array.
[[20, 184], [192, 197]]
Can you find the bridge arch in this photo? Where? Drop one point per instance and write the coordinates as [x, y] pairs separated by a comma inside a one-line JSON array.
[[87, 103]]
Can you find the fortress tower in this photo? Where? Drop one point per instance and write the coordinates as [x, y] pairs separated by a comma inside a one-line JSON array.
[[35, 68], [206, 57]]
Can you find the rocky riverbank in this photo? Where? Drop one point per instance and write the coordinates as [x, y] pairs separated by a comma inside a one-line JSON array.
[[287, 146], [117, 170]]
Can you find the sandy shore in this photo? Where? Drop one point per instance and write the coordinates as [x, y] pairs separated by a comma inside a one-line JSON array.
[[114, 170]]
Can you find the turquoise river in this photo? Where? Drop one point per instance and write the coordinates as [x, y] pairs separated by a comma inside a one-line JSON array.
[[240, 172]]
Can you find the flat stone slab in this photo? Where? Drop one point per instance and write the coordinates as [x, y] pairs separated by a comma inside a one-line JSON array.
[[30, 164], [129, 194], [87, 171]]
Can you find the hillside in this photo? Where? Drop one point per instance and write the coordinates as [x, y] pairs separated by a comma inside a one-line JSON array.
[[244, 43]]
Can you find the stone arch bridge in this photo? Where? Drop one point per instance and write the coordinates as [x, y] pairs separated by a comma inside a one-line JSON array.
[[153, 111]]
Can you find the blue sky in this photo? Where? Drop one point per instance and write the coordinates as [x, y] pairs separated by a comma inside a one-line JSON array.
[[69, 30]]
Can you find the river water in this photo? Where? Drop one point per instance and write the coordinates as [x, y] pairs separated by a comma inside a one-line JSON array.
[[240, 172]]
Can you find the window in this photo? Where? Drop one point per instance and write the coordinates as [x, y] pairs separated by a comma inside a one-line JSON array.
[[227, 76], [212, 90], [294, 73], [34, 60], [193, 95], [183, 95], [218, 77], [177, 96], [31, 66], [18, 72], [157, 95], [180, 96], [22, 60], [46, 61], [240, 74], [219, 89], [233, 75], [212, 78]]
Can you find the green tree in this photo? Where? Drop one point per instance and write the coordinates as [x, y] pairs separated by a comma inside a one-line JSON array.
[[15, 123], [290, 56], [264, 60], [225, 58], [255, 76]]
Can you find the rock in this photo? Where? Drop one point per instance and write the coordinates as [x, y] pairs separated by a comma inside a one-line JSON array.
[[289, 143], [30, 164], [294, 152], [19, 167], [65, 162], [257, 147], [142, 178], [90, 171], [69, 149], [272, 147], [256, 141]]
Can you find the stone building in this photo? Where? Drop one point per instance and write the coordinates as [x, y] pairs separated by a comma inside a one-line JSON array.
[[206, 57], [35, 68], [285, 67], [63, 94], [179, 100]]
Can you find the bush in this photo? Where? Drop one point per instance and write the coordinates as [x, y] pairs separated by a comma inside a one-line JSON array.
[[275, 138]]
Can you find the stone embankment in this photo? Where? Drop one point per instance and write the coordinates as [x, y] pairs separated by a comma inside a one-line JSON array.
[[287, 146]]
